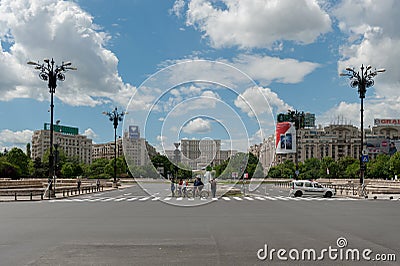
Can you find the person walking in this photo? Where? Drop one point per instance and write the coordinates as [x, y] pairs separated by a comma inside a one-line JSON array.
[[184, 188], [78, 185], [195, 185], [213, 183], [173, 187], [98, 184], [180, 184]]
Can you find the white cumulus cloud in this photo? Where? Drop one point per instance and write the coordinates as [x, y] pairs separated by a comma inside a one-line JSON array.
[[374, 40], [267, 69], [38, 29], [258, 100], [90, 133], [257, 23], [198, 125], [19, 139]]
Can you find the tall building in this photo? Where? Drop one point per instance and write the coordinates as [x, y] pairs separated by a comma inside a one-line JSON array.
[[137, 150], [106, 150], [198, 154], [67, 139]]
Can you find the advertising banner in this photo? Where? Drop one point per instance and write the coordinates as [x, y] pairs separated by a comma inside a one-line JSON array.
[[285, 138], [134, 132]]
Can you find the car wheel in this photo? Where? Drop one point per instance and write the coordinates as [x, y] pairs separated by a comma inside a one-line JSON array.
[[328, 194], [298, 193]]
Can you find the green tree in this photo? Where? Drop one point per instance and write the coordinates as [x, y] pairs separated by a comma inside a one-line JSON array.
[[219, 169], [353, 170], [328, 163], [17, 157], [67, 170], [28, 150], [378, 168], [9, 170], [342, 164], [98, 168], [39, 169], [274, 172], [310, 169], [283, 170], [161, 162], [394, 164]]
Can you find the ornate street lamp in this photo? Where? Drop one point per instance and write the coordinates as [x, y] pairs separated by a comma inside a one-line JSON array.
[[115, 117], [362, 80], [51, 73]]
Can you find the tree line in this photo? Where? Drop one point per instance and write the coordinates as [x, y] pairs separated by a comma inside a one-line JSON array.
[[16, 164], [382, 167]]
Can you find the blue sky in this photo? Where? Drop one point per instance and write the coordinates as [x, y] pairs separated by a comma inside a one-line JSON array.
[[293, 52]]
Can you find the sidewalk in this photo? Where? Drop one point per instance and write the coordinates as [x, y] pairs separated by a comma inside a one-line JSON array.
[[383, 196], [59, 195]]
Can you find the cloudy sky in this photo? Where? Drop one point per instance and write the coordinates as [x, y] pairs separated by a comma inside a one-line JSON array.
[[196, 68]]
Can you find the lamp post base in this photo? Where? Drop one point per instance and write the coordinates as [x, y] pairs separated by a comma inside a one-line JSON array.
[[115, 185]]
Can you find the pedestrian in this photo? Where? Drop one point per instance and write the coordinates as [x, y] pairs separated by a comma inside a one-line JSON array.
[[195, 185], [180, 187], [78, 185], [98, 184], [173, 187], [184, 188], [213, 183], [200, 185]]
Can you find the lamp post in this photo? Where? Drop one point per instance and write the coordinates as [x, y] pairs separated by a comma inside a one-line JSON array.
[[362, 80], [115, 117], [51, 73]]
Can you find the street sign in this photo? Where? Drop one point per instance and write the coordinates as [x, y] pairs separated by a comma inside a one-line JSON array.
[[364, 152], [365, 158]]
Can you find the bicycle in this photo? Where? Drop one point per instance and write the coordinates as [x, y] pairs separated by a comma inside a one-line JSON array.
[[203, 194]]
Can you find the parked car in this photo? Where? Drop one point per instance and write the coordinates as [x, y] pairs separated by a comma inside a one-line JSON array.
[[300, 188]]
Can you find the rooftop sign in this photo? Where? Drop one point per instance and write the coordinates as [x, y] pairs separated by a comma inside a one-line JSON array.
[[62, 129], [386, 122]]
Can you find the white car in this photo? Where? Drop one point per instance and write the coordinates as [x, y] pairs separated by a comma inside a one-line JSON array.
[[300, 188]]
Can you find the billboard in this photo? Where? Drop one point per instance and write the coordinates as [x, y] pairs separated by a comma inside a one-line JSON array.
[[386, 122], [285, 138], [134, 132]]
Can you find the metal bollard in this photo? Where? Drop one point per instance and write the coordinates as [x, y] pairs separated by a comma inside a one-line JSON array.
[[31, 195], [15, 194]]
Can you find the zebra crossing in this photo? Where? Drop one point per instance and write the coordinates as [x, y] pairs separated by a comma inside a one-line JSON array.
[[252, 198]]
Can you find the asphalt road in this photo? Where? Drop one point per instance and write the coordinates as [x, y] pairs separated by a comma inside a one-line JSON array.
[[102, 229]]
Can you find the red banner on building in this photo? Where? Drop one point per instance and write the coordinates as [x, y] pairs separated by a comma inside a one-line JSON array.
[[285, 138]]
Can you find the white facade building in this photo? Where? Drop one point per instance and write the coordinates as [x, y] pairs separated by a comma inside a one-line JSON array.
[[67, 139]]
